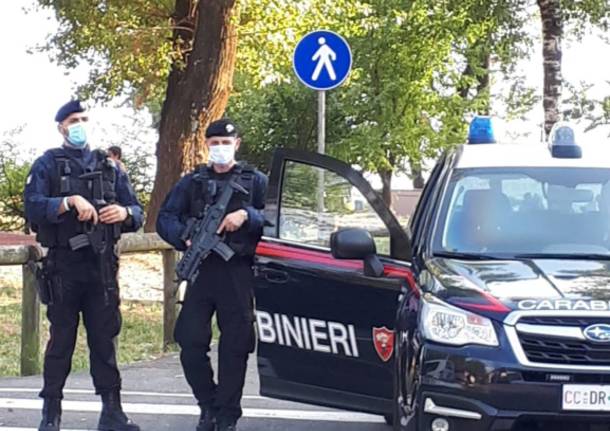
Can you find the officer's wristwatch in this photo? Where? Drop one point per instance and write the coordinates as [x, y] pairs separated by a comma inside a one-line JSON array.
[[129, 212]]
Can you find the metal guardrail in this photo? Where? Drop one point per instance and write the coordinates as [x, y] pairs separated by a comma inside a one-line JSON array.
[[30, 304]]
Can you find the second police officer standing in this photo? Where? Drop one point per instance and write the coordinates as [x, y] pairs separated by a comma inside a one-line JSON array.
[[224, 288], [78, 202]]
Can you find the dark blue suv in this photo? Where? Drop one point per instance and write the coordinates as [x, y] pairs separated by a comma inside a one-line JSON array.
[[488, 310]]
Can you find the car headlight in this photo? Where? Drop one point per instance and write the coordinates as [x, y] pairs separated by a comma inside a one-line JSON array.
[[449, 325]]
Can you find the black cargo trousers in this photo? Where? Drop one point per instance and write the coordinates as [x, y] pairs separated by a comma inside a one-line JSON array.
[[80, 291], [224, 288]]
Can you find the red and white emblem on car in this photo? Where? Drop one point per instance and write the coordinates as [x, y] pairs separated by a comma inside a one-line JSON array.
[[383, 339]]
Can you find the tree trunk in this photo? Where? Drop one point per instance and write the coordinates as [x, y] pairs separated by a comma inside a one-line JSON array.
[[417, 176], [198, 90], [552, 31], [483, 85], [386, 191]]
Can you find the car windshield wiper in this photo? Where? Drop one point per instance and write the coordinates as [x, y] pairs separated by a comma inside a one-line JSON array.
[[566, 256], [466, 256]]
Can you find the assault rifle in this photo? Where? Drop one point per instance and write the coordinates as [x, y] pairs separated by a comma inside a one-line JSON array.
[[201, 231], [100, 237]]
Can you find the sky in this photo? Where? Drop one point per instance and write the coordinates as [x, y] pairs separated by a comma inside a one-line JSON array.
[[32, 88]]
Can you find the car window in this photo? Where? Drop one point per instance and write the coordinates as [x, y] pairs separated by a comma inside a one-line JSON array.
[[316, 202], [526, 210]]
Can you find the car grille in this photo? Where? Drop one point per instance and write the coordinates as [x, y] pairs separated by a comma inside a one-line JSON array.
[[557, 341], [555, 350], [580, 321]]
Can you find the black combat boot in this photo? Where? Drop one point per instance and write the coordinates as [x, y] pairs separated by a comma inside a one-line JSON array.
[[51, 415], [227, 425], [207, 420], [113, 418]]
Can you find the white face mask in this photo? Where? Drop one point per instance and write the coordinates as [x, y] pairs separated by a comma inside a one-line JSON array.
[[222, 154]]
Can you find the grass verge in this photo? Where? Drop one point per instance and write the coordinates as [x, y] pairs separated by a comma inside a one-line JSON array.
[[141, 336]]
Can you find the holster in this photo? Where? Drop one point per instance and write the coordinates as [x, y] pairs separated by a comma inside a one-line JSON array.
[[48, 283]]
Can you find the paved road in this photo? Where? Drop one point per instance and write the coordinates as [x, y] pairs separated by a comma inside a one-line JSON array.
[[157, 397]]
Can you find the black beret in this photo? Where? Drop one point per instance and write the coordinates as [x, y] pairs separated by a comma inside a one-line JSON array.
[[221, 128], [69, 108]]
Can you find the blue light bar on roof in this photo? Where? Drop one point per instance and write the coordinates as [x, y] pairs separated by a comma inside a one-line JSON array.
[[562, 141], [481, 131]]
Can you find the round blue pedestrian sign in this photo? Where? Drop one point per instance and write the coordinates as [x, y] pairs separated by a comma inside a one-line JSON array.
[[322, 60]]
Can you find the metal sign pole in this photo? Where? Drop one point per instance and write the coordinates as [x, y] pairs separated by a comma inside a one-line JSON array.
[[321, 146], [322, 122]]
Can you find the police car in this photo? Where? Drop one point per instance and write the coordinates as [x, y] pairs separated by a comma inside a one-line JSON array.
[[489, 311]]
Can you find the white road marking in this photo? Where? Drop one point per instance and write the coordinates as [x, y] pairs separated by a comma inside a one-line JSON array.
[[128, 393], [29, 429], [168, 409]]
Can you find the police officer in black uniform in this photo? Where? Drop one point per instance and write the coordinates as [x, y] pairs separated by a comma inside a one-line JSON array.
[[74, 196], [222, 287]]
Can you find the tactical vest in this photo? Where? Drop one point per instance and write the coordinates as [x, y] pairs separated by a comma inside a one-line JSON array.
[[66, 180], [206, 188]]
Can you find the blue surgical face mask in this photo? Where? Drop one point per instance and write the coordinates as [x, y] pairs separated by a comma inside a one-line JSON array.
[[77, 135]]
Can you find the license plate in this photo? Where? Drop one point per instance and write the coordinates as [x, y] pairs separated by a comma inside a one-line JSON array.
[[586, 397]]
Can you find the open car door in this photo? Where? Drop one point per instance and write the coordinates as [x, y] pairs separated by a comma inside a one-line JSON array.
[[325, 328]]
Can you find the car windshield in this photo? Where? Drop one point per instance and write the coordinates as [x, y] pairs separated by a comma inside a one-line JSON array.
[[534, 212]]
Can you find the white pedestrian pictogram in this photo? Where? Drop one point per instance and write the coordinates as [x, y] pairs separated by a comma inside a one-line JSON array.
[[325, 57]]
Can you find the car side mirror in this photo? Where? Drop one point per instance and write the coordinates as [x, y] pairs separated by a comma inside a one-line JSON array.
[[357, 243]]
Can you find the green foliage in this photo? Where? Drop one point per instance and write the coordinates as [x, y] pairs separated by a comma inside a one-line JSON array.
[[126, 44], [280, 115], [520, 98], [400, 104], [409, 61], [421, 66], [137, 142], [13, 173], [583, 14], [580, 105], [139, 162]]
